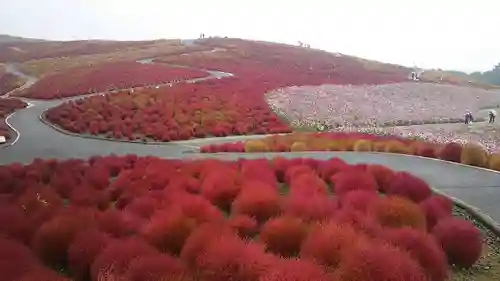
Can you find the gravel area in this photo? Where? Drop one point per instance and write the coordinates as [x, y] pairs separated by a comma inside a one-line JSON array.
[[378, 104]]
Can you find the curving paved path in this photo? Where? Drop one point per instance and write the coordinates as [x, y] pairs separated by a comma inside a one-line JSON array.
[[475, 186]]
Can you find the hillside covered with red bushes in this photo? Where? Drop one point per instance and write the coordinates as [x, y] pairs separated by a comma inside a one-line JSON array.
[[148, 219], [222, 107], [106, 77], [18, 51]]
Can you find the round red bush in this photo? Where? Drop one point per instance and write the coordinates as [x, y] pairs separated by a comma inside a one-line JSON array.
[[14, 224], [460, 239], [283, 235], [451, 152], [423, 248], [310, 208], [53, 238], [115, 259], [246, 226], [394, 211], [117, 224], [155, 267], [328, 168], [168, 230], [260, 202], [220, 188], [364, 224], [42, 274], [329, 243], [358, 199], [198, 240], [383, 175], [295, 270], [83, 251], [346, 181], [15, 259], [230, 258], [308, 184], [407, 185], [436, 208], [379, 262]]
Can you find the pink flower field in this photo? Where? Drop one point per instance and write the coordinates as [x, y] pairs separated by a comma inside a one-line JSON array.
[[373, 105]]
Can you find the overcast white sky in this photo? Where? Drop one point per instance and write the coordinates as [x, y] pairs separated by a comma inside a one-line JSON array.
[[451, 34]]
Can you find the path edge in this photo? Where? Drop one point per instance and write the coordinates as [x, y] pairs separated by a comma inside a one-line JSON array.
[[475, 212]]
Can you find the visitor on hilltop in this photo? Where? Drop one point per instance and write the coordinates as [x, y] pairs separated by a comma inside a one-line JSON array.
[[492, 115], [468, 117]]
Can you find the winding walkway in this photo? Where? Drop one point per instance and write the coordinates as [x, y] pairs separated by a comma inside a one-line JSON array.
[[476, 186]]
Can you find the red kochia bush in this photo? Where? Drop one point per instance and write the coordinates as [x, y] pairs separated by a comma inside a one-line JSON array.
[[311, 208], [83, 251], [283, 235], [230, 258], [379, 262], [115, 259], [407, 185], [54, 237], [451, 152], [394, 211], [383, 175], [43, 274], [198, 240], [14, 224], [436, 208], [347, 181], [259, 169], [245, 226], [329, 243], [308, 184], [460, 239], [328, 168], [15, 259], [221, 187], [117, 224], [423, 248], [156, 267], [259, 201], [362, 223], [358, 199], [39, 204], [295, 270], [168, 230]]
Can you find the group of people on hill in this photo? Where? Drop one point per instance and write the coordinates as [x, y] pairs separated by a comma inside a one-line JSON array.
[[491, 114], [302, 44], [202, 35], [414, 76]]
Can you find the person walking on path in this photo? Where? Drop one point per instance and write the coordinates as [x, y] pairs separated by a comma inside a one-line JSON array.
[[492, 115], [468, 117]]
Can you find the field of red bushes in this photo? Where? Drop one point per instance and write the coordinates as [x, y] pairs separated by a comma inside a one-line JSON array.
[[106, 77], [469, 153], [187, 110], [7, 106], [149, 219], [229, 106], [23, 51]]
